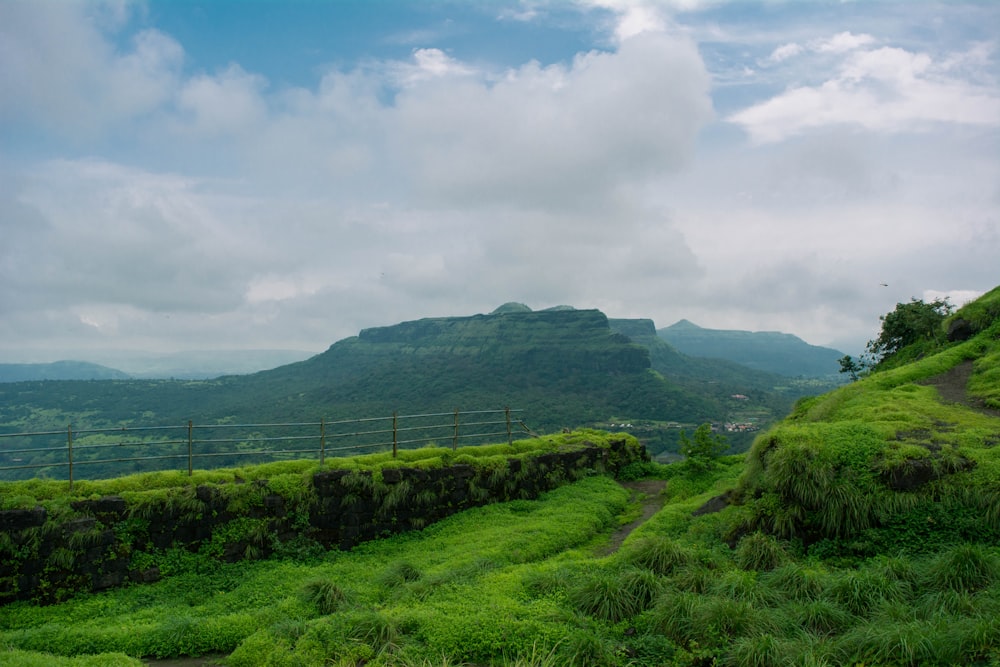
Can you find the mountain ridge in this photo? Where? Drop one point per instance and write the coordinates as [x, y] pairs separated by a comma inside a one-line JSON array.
[[771, 351]]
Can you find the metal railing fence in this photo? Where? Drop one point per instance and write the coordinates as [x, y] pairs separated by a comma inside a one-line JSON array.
[[232, 444]]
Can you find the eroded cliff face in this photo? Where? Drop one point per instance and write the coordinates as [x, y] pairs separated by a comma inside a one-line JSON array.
[[559, 339], [107, 542]]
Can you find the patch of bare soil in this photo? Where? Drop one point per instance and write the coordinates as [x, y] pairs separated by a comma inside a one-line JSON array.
[[952, 387], [646, 491]]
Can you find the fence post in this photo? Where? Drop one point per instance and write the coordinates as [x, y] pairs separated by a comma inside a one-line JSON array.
[[322, 440], [69, 453], [510, 440], [394, 434], [190, 448], [454, 440]]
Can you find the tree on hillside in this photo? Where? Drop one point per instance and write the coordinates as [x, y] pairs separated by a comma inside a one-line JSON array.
[[703, 448], [910, 323], [854, 367]]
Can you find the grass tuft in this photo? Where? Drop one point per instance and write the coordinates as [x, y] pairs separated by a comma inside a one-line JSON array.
[[760, 552], [657, 554], [964, 568], [325, 595], [616, 595]]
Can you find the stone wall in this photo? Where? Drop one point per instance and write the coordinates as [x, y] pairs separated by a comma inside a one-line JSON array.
[[106, 542]]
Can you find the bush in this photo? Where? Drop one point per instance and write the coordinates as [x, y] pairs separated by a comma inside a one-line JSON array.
[[657, 554], [964, 568], [760, 552], [616, 595], [325, 595]]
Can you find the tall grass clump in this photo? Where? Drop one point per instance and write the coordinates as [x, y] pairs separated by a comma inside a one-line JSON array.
[[616, 595], [799, 581], [863, 591], [964, 568], [327, 596], [760, 552], [657, 554], [758, 651]]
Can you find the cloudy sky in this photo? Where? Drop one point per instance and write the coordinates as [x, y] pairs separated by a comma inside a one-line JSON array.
[[217, 174]]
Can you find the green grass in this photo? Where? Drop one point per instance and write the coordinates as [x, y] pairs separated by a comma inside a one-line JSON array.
[[826, 554]]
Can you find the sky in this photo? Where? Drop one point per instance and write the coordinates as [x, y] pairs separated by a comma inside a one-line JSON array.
[[215, 175]]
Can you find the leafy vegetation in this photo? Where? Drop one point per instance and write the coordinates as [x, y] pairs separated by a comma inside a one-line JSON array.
[[565, 368], [769, 351], [862, 529]]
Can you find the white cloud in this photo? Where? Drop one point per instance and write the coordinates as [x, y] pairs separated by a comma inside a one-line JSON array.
[[843, 42], [784, 52], [557, 134], [886, 89], [230, 102], [248, 212], [635, 17], [59, 71]]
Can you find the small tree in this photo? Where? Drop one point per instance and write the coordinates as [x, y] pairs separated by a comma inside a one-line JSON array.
[[910, 323], [701, 451], [850, 365]]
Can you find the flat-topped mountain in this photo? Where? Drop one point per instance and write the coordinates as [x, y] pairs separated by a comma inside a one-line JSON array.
[[561, 367]]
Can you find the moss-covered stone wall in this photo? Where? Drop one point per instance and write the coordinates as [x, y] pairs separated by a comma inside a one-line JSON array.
[[110, 541]]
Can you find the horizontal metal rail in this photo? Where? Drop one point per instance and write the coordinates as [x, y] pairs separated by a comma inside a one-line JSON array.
[[198, 438]]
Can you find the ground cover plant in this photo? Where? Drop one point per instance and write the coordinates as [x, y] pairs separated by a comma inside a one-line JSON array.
[[862, 530]]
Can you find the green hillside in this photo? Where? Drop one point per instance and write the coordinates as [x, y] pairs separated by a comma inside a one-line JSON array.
[[864, 529], [562, 367], [748, 398], [59, 370], [769, 351]]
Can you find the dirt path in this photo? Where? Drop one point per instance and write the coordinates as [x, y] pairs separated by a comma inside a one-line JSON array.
[[952, 384], [646, 491]]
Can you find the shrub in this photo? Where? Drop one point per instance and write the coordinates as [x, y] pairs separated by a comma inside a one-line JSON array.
[[759, 651], [964, 568], [799, 581], [325, 595], [616, 595], [398, 574], [658, 554], [761, 552], [862, 591]]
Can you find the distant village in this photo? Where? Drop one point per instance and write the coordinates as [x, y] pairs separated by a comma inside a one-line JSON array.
[[748, 426]]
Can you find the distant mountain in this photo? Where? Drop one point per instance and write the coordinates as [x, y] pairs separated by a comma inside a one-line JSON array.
[[770, 351], [563, 368], [59, 370], [566, 367], [200, 364]]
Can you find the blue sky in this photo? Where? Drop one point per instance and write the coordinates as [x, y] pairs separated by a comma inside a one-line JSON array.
[[217, 175]]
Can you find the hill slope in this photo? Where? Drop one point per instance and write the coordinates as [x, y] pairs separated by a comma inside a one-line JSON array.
[[862, 529], [59, 370], [769, 351], [563, 367], [905, 459]]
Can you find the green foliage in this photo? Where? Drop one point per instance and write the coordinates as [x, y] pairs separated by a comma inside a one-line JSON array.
[[916, 325], [760, 552], [36, 659], [701, 451], [657, 554], [964, 568], [615, 595], [327, 596], [816, 550]]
